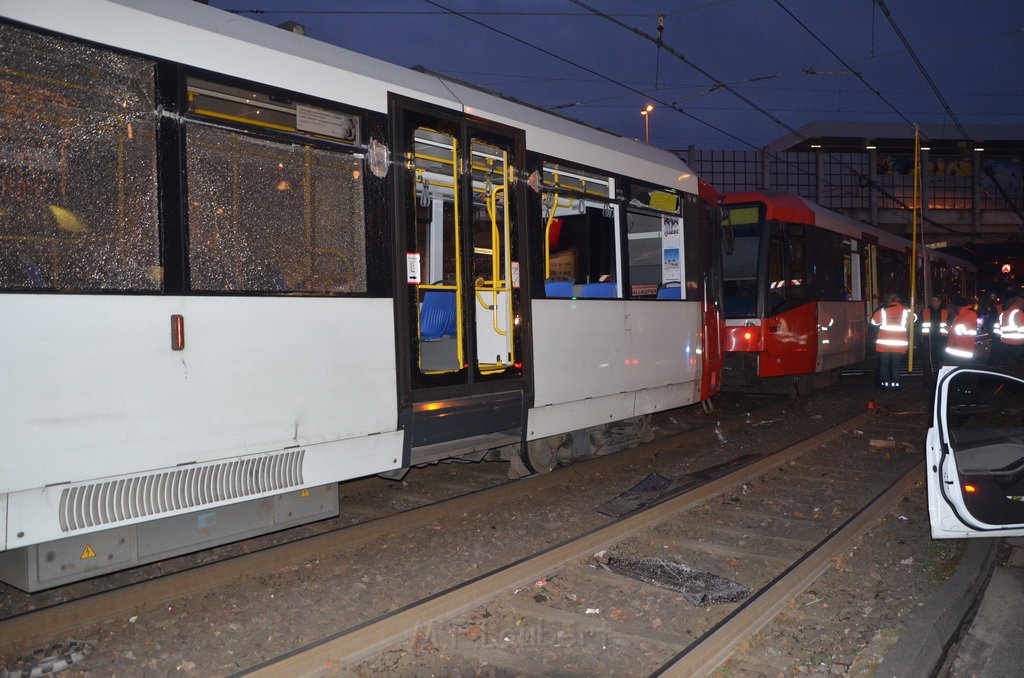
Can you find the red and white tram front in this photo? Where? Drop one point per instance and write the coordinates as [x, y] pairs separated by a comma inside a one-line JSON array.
[[792, 291]]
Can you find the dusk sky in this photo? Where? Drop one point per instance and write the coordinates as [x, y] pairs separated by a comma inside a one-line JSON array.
[[796, 60]]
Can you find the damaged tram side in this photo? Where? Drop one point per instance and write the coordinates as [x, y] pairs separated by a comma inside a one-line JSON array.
[[239, 266]]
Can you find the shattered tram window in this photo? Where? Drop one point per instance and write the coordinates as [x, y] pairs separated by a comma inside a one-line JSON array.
[[78, 196], [267, 216]]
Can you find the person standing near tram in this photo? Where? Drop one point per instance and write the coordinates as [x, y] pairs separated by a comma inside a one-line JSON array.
[[934, 332], [962, 335], [1010, 328], [893, 323]]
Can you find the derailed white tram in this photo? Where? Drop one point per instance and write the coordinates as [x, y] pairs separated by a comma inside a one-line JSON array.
[[238, 266]]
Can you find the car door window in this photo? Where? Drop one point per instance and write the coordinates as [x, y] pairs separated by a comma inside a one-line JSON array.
[[984, 423]]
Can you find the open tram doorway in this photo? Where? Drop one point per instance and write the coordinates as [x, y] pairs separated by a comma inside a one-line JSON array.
[[461, 304]]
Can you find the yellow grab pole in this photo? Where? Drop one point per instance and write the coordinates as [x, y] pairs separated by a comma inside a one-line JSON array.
[[547, 238]]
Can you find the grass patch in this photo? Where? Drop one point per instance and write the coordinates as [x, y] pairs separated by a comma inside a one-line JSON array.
[[944, 558]]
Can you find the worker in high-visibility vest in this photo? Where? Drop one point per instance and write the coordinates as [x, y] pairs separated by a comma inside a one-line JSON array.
[[1010, 330], [962, 334], [934, 332], [893, 322]]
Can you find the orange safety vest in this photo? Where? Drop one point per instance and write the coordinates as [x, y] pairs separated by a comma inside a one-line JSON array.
[[892, 322], [926, 322], [1010, 329], [965, 330]]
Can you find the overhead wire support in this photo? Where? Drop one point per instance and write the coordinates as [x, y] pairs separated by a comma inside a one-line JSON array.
[[657, 61]]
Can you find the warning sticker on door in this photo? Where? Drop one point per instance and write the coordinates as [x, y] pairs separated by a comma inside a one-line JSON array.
[[412, 268]]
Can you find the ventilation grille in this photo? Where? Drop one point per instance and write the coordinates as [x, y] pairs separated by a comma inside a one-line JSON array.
[[115, 501]]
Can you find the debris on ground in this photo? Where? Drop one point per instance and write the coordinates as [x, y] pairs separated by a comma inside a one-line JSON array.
[[701, 589]]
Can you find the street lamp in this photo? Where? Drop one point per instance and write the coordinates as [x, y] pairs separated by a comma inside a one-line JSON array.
[[647, 122]]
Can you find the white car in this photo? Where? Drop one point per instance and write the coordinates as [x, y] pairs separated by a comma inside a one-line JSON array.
[[975, 455]]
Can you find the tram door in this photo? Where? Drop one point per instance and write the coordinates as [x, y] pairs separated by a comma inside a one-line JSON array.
[[463, 293]]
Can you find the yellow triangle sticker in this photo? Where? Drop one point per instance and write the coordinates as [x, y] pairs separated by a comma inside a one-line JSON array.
[[304, 493], [87, 552]]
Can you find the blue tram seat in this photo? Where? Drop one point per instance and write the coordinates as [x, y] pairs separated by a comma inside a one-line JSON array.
[[558, 288], [437, 315], [670, 291], [598, 290]]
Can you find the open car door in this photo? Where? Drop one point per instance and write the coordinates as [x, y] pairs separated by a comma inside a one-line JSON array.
[[975, 455]]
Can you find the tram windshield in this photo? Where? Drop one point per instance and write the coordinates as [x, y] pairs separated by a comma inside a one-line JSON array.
[[740, 254]]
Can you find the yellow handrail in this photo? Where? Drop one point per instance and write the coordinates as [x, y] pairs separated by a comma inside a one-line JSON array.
[[247, 121], [547, 233], [509, 310], [547, 238], [435, 158], [498, 284], [453, 165], [500, 275], [492, 212], [458, 253]]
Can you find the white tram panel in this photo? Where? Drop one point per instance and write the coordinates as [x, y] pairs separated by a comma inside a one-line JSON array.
[[850, 227], [597, 361], [842, 329], [194, 34], [172, 416], [93, 391]]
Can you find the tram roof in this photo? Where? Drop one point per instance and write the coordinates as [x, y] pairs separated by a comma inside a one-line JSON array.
[[203, 37], [794, 208]]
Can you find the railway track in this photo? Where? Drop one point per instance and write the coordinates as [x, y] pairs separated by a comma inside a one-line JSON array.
[[774, 525], [372, 509], [684, 447]]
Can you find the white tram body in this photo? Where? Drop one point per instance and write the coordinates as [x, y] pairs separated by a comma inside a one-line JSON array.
[[159, 395]]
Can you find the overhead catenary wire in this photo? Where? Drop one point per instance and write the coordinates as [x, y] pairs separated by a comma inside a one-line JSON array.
[[717, 82], [688, 62], [626, 86], [666, 104], [924, 73], [920, 66], [467, 16], [582, 67], [722, 85], [841, 60]]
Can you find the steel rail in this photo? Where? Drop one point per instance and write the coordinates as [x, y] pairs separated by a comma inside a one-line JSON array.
[[30, 628], [351, 645], [714, 647]]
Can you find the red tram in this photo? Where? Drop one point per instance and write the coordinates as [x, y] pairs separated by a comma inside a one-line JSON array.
[[800, 282]]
